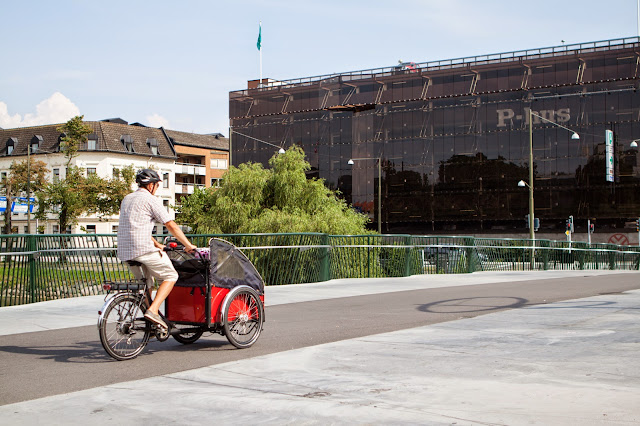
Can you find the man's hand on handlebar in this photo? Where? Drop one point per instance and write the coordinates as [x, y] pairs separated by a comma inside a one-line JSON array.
[[174, 245]]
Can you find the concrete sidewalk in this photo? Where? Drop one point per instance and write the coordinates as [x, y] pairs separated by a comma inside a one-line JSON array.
[[566, 363]]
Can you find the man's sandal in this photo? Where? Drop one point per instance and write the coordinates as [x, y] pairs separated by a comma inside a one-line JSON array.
[[155, 318]]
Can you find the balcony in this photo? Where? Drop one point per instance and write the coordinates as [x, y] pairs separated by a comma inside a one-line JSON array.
[[187, 188], [190, 169]]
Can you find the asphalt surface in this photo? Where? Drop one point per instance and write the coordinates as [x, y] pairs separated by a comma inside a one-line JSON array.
[[53, 364]]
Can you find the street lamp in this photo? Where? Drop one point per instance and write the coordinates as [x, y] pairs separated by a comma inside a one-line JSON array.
[[379, 160], [522, 183], [232, 132], [634, 143]]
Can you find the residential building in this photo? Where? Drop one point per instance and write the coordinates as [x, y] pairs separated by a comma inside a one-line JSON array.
[[201, 161], [112, 145]]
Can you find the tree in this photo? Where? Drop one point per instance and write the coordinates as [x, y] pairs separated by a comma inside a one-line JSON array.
[[65, 198], [253, 199], [109, 193], [77, 194], [15, 184], [75, 133]]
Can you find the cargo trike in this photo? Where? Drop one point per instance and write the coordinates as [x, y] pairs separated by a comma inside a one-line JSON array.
[[218, 291]]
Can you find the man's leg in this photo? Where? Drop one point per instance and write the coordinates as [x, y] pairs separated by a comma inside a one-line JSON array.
[[163, 292], [159, 266]]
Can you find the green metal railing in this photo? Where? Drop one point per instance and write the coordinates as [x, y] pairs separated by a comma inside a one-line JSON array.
[[36, 268]]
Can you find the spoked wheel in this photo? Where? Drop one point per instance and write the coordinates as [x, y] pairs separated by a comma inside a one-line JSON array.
[[124, 336], [187, 337], [243, 315]]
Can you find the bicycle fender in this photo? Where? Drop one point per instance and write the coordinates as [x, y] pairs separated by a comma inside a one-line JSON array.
[[107, 301], [227, 300]]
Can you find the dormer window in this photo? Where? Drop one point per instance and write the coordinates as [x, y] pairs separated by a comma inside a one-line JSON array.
[[127, 142], [153, 145], [59, 144], [92, 142], [11, 144], [35, 143]]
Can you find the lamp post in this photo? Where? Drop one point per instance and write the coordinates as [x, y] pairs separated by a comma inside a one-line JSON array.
[[522, 183], [379, 160], [29, 188]]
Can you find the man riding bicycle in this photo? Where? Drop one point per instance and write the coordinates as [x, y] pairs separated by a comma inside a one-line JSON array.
[[139, 212]]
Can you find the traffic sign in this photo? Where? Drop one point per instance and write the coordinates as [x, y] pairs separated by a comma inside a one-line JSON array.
[[18, 205]]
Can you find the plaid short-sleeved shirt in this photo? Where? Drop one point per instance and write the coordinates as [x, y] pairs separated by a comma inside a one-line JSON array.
[[139, 212]]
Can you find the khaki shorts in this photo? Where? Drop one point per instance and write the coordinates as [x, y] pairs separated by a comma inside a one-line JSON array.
[[156, 265]]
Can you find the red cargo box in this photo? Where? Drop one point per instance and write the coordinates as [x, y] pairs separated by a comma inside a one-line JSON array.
[[186, 304]]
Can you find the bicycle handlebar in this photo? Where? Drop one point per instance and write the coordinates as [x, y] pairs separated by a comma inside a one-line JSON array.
[[173, 246]]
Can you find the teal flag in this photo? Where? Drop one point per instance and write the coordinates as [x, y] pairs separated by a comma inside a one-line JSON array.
[[259, 44]]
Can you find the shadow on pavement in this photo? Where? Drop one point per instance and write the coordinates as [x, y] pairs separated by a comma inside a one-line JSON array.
[[92, 352], [473, 304]]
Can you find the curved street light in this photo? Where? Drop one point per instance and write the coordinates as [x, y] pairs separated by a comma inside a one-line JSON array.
[[574, 136], [232, 132]]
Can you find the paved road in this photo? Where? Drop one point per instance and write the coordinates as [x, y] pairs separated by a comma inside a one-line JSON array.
[[39, 364]]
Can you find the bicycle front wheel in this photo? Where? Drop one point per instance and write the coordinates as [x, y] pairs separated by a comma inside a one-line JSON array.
[[123, 331]]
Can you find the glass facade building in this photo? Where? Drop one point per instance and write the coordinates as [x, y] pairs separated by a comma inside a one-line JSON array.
[[453, 137]]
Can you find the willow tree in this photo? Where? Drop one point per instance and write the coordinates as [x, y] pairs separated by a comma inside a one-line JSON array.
[[252, 199]]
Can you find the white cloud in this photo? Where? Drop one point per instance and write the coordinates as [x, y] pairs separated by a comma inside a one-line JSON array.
[[156, 120], [53, 110]]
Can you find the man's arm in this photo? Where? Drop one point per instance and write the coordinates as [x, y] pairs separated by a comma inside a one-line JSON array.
[[177, 232]]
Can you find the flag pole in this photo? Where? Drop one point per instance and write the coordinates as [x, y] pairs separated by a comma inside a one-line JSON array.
[[260, 51]]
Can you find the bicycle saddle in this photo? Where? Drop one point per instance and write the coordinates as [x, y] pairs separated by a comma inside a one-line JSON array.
[[133, 263]]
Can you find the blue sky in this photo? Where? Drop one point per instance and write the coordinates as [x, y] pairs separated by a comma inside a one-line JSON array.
[[173, 63]]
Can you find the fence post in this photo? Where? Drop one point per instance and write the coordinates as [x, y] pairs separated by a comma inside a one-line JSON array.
[[408, 251], [31, 261], [612, 257], [581, 256], [369, 254], [545, 253], [325, 271], [104, 272], [440, 269], [469, 243]]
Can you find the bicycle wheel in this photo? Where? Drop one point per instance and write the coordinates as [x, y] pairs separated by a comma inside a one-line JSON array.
[[122, 335], [243, 315], [187, 337]]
